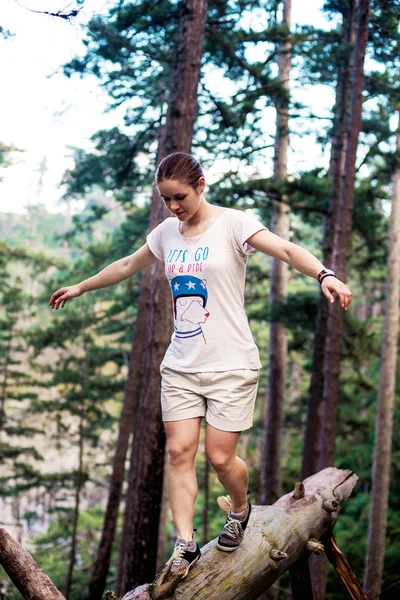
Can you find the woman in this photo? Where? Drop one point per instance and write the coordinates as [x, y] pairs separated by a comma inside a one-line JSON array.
[[211, 367]]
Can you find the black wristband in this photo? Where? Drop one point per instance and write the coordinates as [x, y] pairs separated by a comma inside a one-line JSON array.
[[325, 273]]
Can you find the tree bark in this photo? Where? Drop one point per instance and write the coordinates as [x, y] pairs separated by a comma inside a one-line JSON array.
[[270, 472], [335, 325], [78, 490], [386, 395], [342, 245], [141, 523], [102, 564], [26, 575], [276, 538], [3, 396], [300, 579], [336, 168]]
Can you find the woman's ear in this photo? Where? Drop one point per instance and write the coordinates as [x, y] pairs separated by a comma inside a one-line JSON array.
[[201, 185]]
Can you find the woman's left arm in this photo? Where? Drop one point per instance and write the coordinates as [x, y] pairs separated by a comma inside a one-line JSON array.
[[269, 243]]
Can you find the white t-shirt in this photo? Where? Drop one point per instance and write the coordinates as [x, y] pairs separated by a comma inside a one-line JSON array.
[[206, 274]]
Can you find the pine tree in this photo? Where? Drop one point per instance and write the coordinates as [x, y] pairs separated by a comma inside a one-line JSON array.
[[341, 242], [271, 488], [384, 421], [339, 143], [140, 534]]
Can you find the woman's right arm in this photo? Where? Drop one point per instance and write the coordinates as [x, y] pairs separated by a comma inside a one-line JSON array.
[[118, 271]]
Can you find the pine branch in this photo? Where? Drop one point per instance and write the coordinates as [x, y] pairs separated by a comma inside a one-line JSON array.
[[60, 13]]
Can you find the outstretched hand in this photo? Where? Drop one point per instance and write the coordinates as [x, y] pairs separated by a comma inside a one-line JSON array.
[[331, 285], [60, 297]]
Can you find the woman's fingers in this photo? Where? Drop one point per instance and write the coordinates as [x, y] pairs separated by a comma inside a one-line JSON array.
[[54, 298], [338, 287], [61, 301], [345, 299], [58, 297], [328, 295], [344, 295]]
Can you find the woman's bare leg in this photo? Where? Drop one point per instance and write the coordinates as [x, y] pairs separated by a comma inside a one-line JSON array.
[[183, 441], [231, 470]]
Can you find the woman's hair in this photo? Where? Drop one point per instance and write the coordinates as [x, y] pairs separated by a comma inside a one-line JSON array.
[[181, 167]]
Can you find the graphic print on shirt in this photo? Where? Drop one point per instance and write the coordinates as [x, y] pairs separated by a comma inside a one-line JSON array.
[[189, 296]]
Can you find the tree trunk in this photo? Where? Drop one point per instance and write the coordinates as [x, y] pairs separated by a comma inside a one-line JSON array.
[[342, 244], [312, 434], [335, 326], [384, 421], [102, 564], [300, 579], [270, 472], [336, 167], [141, 523], [3, 396], [78, 490], [276, 538]]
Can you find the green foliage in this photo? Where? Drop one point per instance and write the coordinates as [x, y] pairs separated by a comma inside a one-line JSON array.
[[112, 167], [5, 33], [6, 151]]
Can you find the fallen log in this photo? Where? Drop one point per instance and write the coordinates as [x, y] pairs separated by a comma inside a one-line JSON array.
[[276, 538]]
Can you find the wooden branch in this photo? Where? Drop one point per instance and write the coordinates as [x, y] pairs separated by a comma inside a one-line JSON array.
[[59, 13], [315, 546], [298, 491], [343, 569], [276, 538], [26, 575]]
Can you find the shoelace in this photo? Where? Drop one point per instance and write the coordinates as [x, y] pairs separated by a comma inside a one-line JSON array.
[[233, 528], [179, 552]]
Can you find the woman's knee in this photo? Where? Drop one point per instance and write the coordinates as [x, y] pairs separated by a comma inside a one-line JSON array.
[[181, 452], [221, 462], [182, 440]]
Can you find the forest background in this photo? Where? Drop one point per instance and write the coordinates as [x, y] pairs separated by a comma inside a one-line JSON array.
[[64, 373]]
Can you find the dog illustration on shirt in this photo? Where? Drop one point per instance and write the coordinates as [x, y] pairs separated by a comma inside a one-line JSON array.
[[189, 296]]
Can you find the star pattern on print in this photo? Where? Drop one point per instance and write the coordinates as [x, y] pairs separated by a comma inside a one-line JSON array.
[[203, 286], [176, 286], [191, 285]]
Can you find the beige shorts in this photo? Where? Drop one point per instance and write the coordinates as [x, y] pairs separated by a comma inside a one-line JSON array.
[[226, 398]]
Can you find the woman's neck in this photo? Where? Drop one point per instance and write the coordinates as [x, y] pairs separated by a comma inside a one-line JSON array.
[[201, 216]]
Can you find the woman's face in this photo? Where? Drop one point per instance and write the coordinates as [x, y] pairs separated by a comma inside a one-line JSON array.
[[181, 199]]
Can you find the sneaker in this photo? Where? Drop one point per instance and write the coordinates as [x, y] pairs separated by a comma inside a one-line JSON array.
[[184, 556], [233, 532]]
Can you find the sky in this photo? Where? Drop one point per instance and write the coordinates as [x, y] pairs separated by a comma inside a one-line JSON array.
[[45, 114]]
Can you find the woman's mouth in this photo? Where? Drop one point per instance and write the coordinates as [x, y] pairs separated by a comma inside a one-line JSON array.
[[179, 214]]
